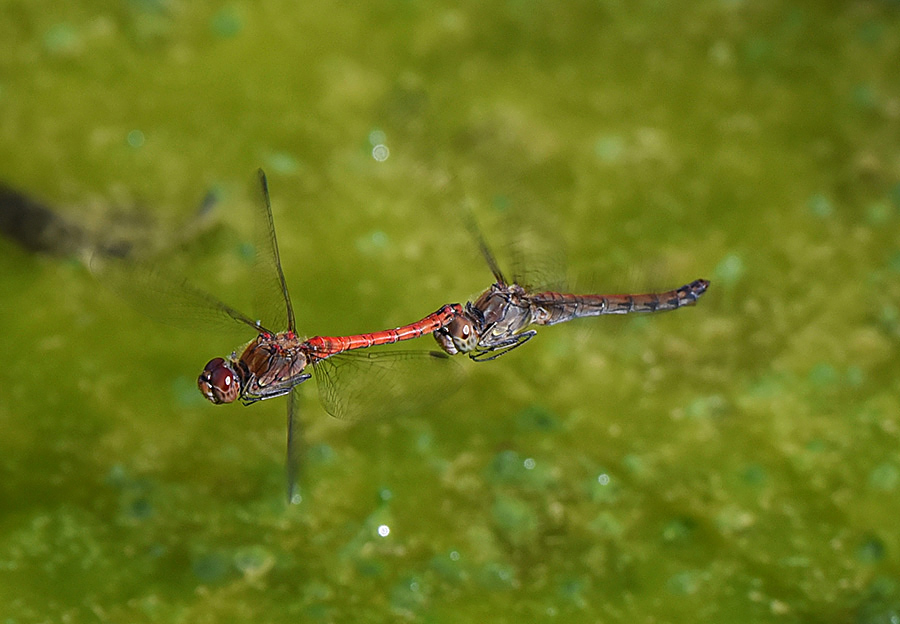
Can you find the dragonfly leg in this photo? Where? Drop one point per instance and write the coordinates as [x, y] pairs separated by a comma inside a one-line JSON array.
[[502, 347], [275, 390]]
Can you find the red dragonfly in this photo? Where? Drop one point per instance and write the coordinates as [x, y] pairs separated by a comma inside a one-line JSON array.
[[275, 363], [501, 318]]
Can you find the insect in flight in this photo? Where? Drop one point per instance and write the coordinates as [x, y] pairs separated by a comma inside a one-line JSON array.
[[351, 383], [501, 318]]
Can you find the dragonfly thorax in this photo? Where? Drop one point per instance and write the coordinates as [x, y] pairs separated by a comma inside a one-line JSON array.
[[271, 366]]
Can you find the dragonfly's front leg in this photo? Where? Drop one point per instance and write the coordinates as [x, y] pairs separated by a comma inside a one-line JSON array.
[[501, 347], [275, 390]]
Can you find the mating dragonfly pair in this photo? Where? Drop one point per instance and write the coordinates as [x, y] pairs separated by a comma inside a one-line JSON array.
[[275, 363]]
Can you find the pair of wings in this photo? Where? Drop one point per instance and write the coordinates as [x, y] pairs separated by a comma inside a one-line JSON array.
[[352, 385]]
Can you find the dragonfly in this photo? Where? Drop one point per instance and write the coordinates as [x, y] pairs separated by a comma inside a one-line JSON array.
[[275, 363], [502, 317]]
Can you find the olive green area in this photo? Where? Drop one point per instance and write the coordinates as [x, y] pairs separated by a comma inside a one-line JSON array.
[[737, 461]]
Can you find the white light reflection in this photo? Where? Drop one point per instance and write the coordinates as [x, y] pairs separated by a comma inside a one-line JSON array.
[[381, 152], [384, 530]]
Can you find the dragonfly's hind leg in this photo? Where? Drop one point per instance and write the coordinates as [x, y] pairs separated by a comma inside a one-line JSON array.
[[502, 347]]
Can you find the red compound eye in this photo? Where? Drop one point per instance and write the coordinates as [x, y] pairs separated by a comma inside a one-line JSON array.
[[218, 382]]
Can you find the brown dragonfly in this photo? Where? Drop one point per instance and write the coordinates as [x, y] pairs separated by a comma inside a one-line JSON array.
[[502, 318]]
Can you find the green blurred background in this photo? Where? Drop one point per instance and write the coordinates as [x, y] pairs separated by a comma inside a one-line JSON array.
[[733, 462]]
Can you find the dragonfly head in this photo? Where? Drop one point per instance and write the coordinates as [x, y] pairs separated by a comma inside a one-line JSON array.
[[458, 336], [219, 382]]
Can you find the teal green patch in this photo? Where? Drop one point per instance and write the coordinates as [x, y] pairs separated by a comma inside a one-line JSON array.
[[685, 583], [376, 136], [227, 23], [870, 550], [496, 576], [606, 524], [757, 50], [515, 518], [253, 560], [449, 567], [880, 602], [635, 464], [823, 375], [879, 213], [816, 445], [573, 590], [135, 138], [370, 568], [609, 148], [855, 376], [864, 96], [894, 262], [246, 252], [510, 468], [501, 203], [211, 567], [374, 242], [871, 32], [185, 393], [537, 418], [283, 163], [754, 475], [821, 206], [729, 271], [424, 442], [885, 477], [62, 39], [767, 386], [139, 509], [679, 530], [602, 489], [408, 594], [506, 467], [149, 6], [714, 406], [890, 317], [321, 454]]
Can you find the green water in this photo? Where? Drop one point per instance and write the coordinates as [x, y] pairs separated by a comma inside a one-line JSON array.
[[733, 462]]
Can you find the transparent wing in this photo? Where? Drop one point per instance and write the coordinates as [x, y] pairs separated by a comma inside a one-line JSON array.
[[537, 256], [294, 448], [485, 249], [534, 257], [172, 299], [270, 292], [167, 298], [370, 384]]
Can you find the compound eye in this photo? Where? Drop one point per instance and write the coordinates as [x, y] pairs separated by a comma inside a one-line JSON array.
[[218, 382], [463, 335]]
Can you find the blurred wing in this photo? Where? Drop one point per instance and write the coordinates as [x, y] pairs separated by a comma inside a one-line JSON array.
[[537, 257], [167, 298], [270, 292], [478, 236], [534, 258], [371, 384], [294, 448]]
